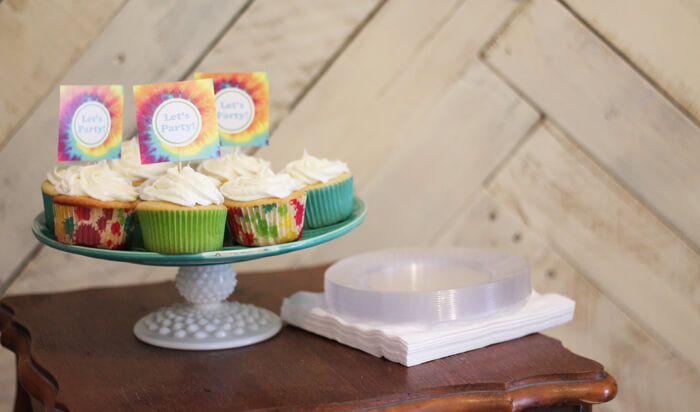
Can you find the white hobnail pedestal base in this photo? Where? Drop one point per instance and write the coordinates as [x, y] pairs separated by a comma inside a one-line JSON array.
[[207, 322]]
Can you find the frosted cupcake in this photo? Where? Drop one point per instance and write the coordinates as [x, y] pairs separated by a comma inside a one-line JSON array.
[[48, 190], [231, 166], [94, 207], [181, 212], [328, 185], [265, 209], [129, 165]]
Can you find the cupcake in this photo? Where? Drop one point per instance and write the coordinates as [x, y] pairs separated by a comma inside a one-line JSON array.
[[181, 212], [48, 190], [328, 185], [94, 207], [129, 165], [231, 166], [265, 209]]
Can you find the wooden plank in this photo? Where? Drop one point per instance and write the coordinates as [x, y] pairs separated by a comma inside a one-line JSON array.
[[159, 40], [649, 377], [622, 247], [40, 40], [292, 40], [412, 46], [661, 38], [366, 113], [607, 107], [55, 271], [427, 180]]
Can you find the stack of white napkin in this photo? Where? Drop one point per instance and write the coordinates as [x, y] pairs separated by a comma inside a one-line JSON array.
[[410, 344]]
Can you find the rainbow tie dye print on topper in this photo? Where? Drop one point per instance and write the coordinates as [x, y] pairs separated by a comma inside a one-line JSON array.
[[242, 107], [176, 121], [90, 122]]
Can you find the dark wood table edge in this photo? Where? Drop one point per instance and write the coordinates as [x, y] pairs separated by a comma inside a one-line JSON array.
[[584, 392], [32, 379]]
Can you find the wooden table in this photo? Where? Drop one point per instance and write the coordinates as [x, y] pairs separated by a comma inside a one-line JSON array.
[[76, 351]]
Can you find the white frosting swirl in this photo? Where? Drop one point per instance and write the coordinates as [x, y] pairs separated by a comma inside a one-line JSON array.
[[58, 174], [97, 181], [234, 165], [263, 185], [310, 170], [129, 165], [183, 187]]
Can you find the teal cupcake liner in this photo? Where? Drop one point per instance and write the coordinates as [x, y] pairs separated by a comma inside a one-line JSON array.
[[229, 238], [328, 204], [48, 210], [182, 231], [136, 239]]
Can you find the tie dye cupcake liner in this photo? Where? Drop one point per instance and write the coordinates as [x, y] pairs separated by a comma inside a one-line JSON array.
[[329, 204], [268, 224], [104, 228], [182, 231]]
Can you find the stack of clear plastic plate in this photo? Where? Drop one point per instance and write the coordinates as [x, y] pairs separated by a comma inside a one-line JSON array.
[[426, 285]]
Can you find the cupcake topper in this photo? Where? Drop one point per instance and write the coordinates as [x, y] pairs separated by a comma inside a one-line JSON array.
[[242, 107], [90, 122], [176, 121]]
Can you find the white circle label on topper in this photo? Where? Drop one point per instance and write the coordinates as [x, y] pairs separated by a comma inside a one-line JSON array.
[[177, 122], [235, 110], [91, 124]]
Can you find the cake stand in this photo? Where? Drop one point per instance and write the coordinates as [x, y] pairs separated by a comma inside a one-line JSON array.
[[207, 321]]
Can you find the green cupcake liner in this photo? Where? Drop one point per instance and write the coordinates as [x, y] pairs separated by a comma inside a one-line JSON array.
[[48, 210], [328, 204], [182, 231]]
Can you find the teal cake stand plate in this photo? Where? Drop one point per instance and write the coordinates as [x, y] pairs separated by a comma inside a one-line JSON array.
[[208, 321]]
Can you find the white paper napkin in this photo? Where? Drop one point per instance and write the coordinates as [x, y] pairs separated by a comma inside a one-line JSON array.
[[411, 345]]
